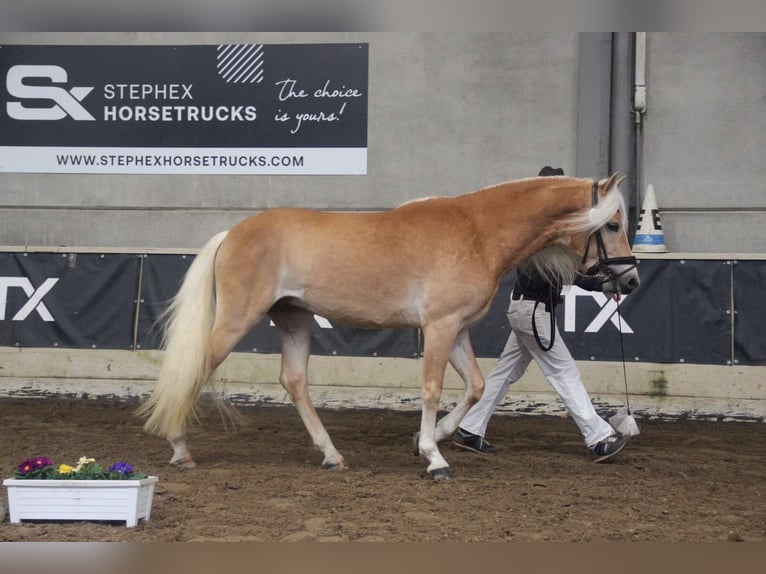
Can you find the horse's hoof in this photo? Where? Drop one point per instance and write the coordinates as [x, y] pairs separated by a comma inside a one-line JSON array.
[[440, 474], [415, 441], [184, 463], [334, 466]]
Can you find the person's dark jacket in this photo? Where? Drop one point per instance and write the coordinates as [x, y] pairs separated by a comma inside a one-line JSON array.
[[532, 285]]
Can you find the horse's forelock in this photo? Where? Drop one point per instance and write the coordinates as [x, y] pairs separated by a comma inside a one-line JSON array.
[[592, 218]]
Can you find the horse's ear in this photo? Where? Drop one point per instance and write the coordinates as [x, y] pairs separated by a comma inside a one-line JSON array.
[[614, 180]]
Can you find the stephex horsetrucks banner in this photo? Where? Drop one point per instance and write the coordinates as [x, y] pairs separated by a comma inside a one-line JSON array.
[[213, 109], [704, 312]]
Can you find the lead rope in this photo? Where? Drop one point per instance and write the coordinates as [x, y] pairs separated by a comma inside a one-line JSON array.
[[622, 352], [623, 420]]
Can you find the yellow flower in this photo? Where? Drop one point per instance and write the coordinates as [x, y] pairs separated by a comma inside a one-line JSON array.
[[65, 469]]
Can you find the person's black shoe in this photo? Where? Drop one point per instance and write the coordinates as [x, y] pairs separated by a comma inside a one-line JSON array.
[[473, 442], [608, 447]]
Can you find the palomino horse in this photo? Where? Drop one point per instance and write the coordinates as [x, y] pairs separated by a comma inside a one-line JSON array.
[[434, 263]]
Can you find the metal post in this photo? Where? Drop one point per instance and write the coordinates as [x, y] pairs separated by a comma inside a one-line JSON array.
[[622, 153]]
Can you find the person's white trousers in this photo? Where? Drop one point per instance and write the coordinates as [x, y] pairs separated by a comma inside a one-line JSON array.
[[557, 365]]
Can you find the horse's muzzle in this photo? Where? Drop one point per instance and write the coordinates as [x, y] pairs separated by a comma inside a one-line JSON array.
[[630, 285], [623, 278]]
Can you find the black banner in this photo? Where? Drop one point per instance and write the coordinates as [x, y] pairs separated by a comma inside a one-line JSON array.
[[68, 300], [245, 108], [681, 313], [749, 312]]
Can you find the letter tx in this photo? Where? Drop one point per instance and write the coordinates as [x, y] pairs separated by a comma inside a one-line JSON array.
[[607, 312], [35, 301]]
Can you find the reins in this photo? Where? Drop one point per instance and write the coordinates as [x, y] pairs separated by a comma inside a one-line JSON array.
[[551, 304]]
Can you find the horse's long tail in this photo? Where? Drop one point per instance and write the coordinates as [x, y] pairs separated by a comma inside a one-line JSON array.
[[185, 366]]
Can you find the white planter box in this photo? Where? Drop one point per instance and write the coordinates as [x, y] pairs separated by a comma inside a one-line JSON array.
[[127, 500]]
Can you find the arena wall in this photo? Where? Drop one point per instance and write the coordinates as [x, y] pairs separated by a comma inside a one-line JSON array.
[[448, 113]]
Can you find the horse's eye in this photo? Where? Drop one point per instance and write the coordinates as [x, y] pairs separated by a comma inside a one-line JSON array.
[[613, 226]]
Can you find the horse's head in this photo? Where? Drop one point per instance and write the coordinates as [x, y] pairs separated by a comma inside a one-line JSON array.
[[606, 253]]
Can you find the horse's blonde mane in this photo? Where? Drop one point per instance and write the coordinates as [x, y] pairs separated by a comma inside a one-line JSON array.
[[558, 263], [418, 200]]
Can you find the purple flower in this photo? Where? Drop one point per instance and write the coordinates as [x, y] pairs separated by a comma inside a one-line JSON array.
[[121, 467], [32, 464]]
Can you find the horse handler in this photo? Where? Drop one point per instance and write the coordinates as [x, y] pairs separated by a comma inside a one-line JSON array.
[[532, 326]]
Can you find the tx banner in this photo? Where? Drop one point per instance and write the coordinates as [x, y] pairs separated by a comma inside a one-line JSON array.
[[213, 109], [680, 313], [70, 300]]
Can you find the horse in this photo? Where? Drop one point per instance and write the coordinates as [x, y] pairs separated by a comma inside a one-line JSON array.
[[433, 264]]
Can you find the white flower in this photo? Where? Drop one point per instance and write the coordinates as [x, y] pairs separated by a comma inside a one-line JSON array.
[[82, 462]]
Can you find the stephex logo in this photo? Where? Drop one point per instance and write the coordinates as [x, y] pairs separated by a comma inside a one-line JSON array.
[[35, 301], [65, 102]]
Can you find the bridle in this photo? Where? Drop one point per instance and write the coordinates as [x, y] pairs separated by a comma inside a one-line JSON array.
[[602, 267], [599, 270]]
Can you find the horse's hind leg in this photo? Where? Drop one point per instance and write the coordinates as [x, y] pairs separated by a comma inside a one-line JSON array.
[[182, 458], [294, 330], [228, 329]]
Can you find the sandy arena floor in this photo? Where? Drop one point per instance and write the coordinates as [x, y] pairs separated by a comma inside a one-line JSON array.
[[677, 481]]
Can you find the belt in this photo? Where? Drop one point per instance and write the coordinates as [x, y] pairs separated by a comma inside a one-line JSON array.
[[520, 296]]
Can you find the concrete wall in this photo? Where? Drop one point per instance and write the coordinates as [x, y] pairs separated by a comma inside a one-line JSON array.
[[705, 136], [656, 390]]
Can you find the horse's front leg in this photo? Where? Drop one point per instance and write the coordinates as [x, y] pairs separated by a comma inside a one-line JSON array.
[[294, 329], [438, 342], [463, 361]]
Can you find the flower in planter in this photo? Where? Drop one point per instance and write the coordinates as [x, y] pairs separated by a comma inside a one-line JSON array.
[[121, 467], [86, 469], [84, 461], [34, 467]]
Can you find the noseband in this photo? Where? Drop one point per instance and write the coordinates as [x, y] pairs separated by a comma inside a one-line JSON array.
[[602, 267]]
